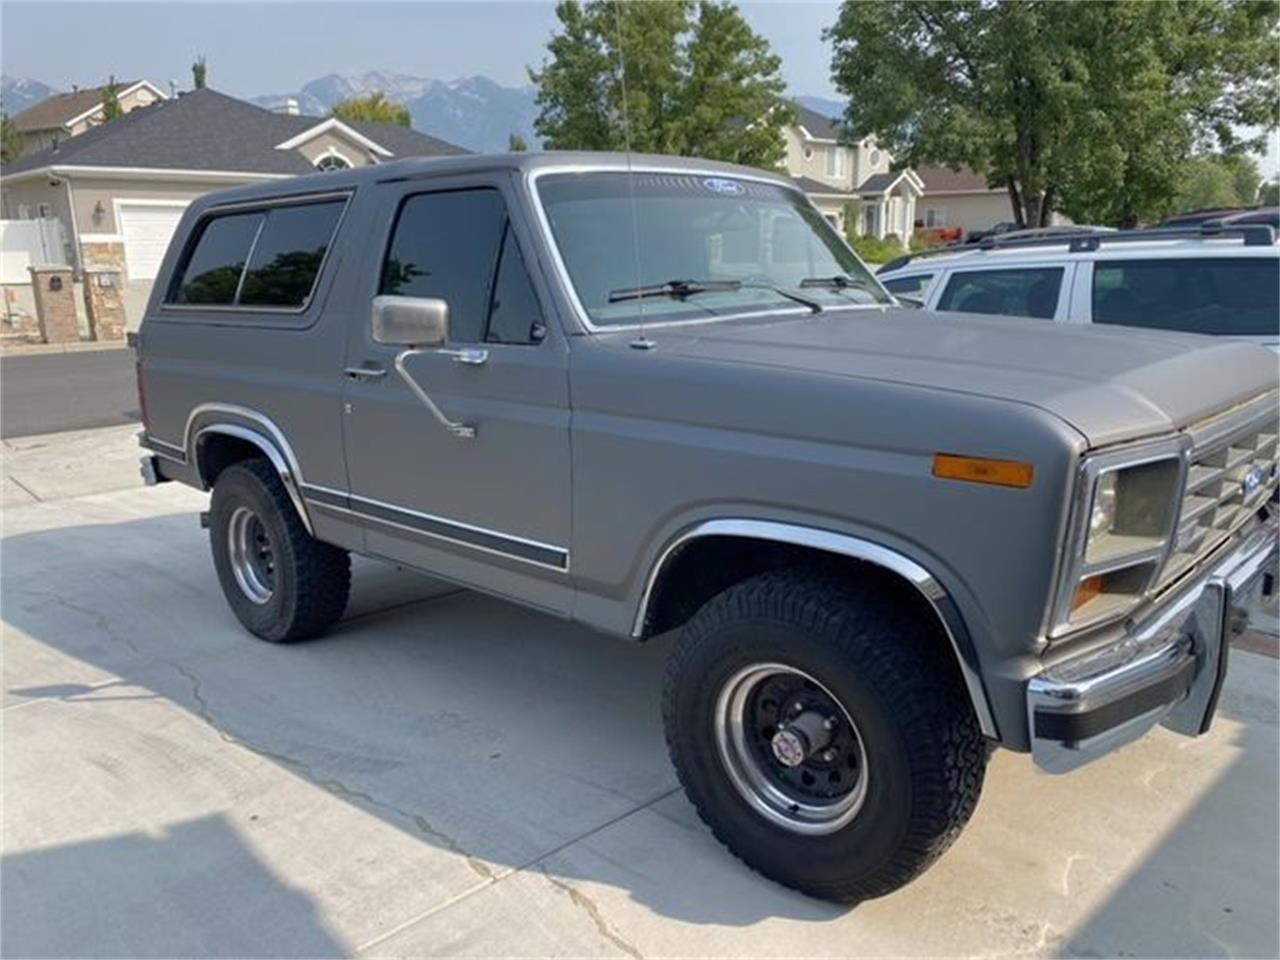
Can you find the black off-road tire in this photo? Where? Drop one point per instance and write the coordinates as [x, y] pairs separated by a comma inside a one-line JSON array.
[[312, 580], [880, 657]]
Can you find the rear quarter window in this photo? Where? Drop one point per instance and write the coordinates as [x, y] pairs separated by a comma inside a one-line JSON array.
[[1017, 292], [1219, 295], [908, 286], [267, 258]]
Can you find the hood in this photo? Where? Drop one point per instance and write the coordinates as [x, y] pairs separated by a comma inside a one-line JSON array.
[[1110, 383]]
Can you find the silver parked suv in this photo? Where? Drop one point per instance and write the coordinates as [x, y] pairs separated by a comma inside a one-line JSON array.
[[656, 395]]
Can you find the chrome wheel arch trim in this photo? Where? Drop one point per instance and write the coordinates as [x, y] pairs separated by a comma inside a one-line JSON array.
[[264, 435], [858, 549]]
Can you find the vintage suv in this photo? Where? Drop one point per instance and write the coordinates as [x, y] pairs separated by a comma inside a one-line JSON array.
[[649, 394]]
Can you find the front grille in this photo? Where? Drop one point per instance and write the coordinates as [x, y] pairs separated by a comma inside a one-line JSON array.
[[1231, 474]]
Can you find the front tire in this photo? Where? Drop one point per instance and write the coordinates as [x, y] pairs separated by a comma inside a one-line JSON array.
[[820, 734], [281, 583]]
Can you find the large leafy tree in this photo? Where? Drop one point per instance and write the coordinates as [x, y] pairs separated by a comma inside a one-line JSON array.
[[698, 82], [1218, 181], [1088, 108], [374, 106]]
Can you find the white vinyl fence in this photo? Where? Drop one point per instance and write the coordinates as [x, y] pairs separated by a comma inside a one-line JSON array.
[[29, 243]]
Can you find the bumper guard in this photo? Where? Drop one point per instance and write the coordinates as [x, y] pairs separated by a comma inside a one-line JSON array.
[[1167, 669]]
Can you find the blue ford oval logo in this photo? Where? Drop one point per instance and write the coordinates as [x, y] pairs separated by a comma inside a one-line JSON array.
[[1253, 479], [729, 188]]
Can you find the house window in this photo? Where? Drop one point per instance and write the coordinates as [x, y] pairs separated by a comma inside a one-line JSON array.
[[835, 162], [24, 211], [935, 217], [875, 158], [332, 161], [44, 211]]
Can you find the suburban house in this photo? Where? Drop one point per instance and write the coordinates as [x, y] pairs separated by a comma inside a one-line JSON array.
[[961, 198], [65, 115], [118, 189], [842, 178]]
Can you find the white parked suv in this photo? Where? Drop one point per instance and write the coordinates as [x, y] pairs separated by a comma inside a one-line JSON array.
[[1214, 280]]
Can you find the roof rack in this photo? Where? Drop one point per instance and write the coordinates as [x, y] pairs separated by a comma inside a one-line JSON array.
[[1253, 235]]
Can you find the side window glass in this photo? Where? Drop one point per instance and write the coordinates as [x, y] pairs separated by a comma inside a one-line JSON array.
[[514, 312], [212, 271], [1031, 292], [288, 254], [909, 286], [446, 245], [1226, 296]]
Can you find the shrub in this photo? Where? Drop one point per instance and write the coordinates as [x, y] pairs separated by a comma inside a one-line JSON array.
[[875, 250]]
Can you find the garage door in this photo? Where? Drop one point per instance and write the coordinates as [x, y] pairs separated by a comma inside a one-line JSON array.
[[147, 229]]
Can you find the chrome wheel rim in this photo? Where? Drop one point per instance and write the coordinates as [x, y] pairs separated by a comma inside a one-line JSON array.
[[252, 555], [790, 748]]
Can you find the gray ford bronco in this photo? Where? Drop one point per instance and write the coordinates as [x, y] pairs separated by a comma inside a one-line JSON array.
[[655, 395]]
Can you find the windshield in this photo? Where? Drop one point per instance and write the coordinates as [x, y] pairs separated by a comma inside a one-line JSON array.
[[709, 246]]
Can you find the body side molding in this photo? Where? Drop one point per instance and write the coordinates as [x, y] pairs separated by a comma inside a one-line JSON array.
[[920, 578]]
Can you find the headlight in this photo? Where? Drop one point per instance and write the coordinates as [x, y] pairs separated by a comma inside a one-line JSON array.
[[1125, 511]]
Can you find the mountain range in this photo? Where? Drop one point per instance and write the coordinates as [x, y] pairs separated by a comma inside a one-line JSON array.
[[473, 112], [18, 93]]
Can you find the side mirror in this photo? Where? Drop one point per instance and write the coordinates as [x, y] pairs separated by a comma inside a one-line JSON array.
[[410, 321], [910, 302]]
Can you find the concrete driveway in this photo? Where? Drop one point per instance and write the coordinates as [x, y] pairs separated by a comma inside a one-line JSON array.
[[446, 774]]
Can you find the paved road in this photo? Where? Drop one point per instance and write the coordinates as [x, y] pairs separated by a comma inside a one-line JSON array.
[[52, 392]]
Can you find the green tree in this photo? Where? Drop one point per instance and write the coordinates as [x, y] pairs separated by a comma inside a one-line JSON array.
[[199, 72], [1269, 193], [670, 76], [1213, 180], [111, 101], [10, 140], [516, 144], [1088, 108], [373, 106]]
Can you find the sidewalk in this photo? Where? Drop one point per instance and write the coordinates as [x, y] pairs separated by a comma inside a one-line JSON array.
[[58, 466]]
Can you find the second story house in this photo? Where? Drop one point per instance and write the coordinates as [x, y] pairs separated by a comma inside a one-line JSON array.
[[118, 190], [65, 115], [850, 179]]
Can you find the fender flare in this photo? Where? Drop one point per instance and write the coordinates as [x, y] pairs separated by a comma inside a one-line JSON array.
[[857, 548], [210, 419]]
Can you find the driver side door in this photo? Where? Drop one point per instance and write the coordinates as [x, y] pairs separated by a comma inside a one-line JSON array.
[[489, 508]]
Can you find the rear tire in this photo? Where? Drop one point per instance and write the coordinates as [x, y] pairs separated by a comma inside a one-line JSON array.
[[847, 683], [281, 583]]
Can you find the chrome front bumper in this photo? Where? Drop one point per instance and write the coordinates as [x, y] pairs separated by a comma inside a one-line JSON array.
[[1166, 669]]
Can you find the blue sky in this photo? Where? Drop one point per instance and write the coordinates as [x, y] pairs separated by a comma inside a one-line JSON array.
[[255, 48], [276, 47]]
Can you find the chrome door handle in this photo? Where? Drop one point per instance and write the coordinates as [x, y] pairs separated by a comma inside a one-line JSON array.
[[471, 356], [365, 373]]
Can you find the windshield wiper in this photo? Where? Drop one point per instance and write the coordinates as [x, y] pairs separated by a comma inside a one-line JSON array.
[[672, 288], [684, 288], [840, 281]]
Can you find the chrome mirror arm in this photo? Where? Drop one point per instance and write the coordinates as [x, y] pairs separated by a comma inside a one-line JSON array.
[[460, 430]]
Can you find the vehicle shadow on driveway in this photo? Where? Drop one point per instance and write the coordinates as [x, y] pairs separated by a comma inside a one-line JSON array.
[[497, 736]]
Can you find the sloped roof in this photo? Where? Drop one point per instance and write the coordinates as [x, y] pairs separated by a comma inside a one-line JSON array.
[[207, 130], [56, 110], [944, 179], [810, 185], [819, 127]]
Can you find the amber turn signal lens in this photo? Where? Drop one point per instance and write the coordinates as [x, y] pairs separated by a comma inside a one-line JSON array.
[[1090, 587], [1001, 473]]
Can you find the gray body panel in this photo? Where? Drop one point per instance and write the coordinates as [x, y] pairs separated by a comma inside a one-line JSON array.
[[592, 457]]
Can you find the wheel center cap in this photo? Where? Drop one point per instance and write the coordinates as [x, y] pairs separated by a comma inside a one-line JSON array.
[[790, 747]]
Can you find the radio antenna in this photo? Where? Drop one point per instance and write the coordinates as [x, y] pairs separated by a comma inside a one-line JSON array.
[[642, 342]]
